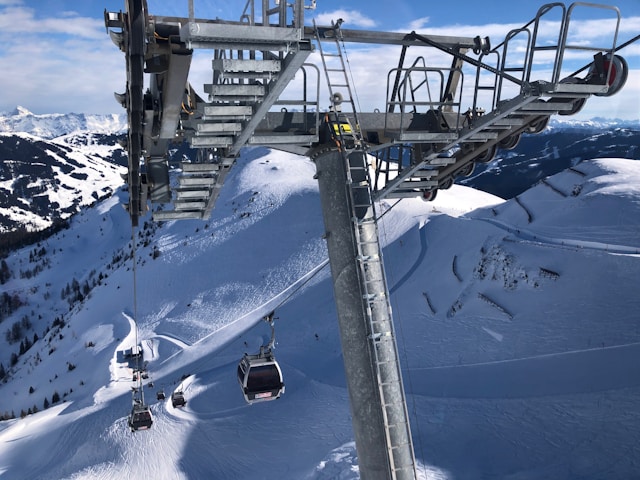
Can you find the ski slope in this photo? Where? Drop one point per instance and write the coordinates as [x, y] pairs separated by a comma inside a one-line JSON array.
[[516, 324]]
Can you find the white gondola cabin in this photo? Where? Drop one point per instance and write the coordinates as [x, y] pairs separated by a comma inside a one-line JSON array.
[[260, 377]]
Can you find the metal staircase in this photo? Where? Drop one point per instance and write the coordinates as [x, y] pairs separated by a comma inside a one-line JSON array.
[[252, 66], [445, 141], [254, 60]]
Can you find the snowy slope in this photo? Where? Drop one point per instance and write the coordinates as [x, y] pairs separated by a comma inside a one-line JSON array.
[[42, 182], [515, 321]]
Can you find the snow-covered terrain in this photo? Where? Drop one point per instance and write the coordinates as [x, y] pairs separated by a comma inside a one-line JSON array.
[[54, 125], [54, 165], [516, 323]]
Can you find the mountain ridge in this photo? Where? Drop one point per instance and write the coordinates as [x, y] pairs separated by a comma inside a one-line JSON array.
[[51, 125]]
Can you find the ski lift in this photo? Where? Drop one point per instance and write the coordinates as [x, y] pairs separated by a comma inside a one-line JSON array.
[[259, 375], [140, 417], [177, 399], [160, 395]]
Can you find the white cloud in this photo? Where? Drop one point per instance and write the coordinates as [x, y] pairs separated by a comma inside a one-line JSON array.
[[58, 64], [352, 18], [22, 20], [419, 23]]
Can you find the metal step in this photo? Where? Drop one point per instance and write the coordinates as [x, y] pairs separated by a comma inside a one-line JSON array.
[[211, 141], [191, 181], [280, 139], [191, 193], [219, 128], [228, 112], [443, 161], [398, 193], [248, 66], [509, 122], [234, 91], [422, 136], [419, 184], [164, 215], [189, 205], [210, 168], [546, 108]]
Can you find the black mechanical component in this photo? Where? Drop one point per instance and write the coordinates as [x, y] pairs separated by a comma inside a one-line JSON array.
[[488, 155], [538, 125], [465, 171], [604, 70], [510, 142], [135, 52], [429, 195]]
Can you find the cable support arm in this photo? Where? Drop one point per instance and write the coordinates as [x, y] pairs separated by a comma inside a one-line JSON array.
[[462, 56]]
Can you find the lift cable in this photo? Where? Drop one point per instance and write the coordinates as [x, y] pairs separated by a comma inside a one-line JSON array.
[[319, 268], [396, 308], [355, 91], [135, 350]]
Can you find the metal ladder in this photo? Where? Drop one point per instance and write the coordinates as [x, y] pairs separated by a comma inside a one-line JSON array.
[[373, 288], [337, 78], [371, 276]]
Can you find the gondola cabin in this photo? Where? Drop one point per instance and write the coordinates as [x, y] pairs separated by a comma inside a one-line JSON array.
[[177, 399], [260, 377], [140, 418]]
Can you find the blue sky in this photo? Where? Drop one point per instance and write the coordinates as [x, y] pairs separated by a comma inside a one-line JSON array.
[[57, 57]]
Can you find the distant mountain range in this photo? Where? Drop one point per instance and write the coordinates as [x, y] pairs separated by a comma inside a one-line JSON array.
[[562, 145], [53, 165], [54, 125]]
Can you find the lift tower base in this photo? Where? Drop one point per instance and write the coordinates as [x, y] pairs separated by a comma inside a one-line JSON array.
[[378, 406]]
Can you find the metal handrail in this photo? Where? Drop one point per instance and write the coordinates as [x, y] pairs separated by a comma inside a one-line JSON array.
[[406, 83]]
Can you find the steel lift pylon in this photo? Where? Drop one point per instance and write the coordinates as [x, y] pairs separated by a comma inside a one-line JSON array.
[[428, 134]]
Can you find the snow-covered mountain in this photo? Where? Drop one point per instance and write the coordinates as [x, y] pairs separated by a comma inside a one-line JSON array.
[[53, 125], [54, 165], [563, 144], [516, 323], [44, 182]]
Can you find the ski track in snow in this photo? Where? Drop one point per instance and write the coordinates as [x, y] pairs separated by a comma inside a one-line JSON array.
[[536, 238], [579, 371]]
